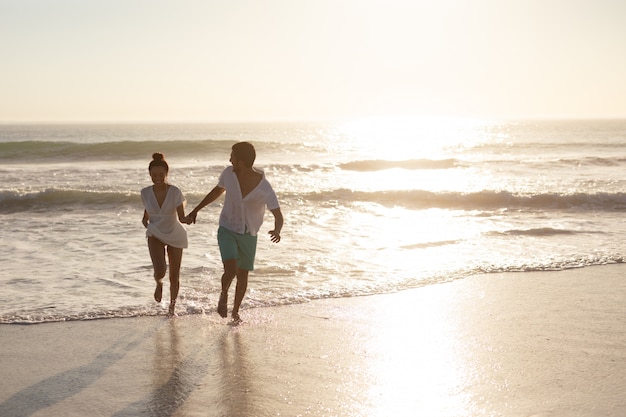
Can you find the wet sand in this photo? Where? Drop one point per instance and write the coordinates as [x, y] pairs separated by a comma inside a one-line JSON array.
[[515, 344]]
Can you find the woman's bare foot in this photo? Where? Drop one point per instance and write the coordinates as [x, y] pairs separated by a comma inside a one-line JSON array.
[[158, 292]]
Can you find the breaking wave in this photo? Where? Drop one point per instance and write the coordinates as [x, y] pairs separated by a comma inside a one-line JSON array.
[[39, 151], [52, 198], [483, 200], [413, 164]]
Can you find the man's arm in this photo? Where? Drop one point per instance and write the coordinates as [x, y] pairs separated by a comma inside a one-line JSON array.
[[208, 199], [278, 225]]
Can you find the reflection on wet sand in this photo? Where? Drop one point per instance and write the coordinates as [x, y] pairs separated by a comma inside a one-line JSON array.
[[235, 375], [508, 344], [176, 373], [168, 372]]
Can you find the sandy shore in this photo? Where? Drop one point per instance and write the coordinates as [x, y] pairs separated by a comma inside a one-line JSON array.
[[517, 344]]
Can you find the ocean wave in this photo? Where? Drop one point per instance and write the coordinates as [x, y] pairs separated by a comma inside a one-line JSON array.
[[519, 147], [594, 161], [36, 151], [52, 198], [411, 164], [14, 201], [40, 317], [483, 200], [192, 306], [450, 163], [541, 231], [550, 162], [427, 245]]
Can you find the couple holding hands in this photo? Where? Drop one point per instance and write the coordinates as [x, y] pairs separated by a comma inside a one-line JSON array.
[[247, 195]]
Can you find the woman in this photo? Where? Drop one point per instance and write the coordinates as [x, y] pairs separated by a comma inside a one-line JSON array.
[[162, 217]]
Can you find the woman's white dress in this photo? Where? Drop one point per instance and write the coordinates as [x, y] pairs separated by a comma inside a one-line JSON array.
[[164, 224]]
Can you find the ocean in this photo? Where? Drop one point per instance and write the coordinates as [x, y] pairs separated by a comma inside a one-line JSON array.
[[372, 206]]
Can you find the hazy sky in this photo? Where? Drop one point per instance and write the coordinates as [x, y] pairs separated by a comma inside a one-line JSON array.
[[255, 60]]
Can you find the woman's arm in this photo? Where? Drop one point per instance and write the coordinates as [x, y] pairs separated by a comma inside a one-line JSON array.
[[180, 210], [145, 218]]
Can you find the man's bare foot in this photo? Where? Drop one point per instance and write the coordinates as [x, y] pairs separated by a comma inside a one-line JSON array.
[[158, 292], [235, 316], [222, 305]]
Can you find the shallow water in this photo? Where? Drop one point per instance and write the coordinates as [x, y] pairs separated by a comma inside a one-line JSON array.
[[370, 207]]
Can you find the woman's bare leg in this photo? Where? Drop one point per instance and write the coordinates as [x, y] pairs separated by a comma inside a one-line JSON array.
[[175, 256], [157, 254]]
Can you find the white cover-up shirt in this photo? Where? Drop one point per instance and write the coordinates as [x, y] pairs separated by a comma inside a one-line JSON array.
[[164, 224], [245, 214]]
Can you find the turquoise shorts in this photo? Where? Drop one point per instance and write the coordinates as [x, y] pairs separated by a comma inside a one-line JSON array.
[[235, 246]]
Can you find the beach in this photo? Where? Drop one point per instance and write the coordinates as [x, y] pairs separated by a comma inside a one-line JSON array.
[[451, 196], [505, 344]]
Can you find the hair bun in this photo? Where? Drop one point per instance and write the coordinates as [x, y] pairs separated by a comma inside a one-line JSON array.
[[158, 156]]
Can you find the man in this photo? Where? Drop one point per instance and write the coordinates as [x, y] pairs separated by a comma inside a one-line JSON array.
[[247, 195]]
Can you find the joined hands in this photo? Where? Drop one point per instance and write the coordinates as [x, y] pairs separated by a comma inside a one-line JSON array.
[[190, 218]]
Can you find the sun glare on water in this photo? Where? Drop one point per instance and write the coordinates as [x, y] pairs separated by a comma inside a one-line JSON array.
[[397, 138], [399, 157], [410, 153]]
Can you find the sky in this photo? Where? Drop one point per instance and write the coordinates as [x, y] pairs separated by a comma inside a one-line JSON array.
[[310, 60]]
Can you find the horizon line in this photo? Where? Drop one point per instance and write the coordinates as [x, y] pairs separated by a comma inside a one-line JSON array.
[[301, 121]]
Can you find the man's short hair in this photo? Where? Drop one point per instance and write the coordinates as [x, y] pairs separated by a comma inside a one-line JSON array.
[[244, 152]]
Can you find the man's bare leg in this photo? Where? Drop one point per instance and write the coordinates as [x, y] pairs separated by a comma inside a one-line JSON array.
[[240, 291], [230, 271]]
